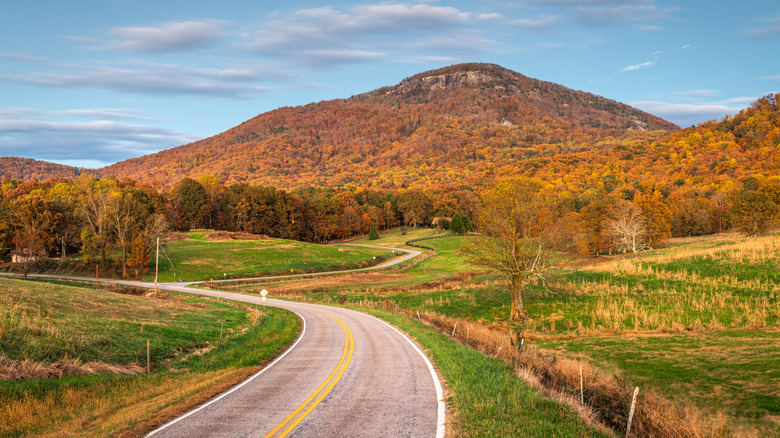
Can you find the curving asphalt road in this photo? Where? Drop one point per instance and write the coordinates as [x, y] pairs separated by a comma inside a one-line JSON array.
[[347, 375]]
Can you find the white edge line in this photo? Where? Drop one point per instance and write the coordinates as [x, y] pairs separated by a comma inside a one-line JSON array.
[[237, 387], [440, 429]]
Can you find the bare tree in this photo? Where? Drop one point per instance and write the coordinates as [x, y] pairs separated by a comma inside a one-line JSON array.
[[123, 214], [94, 210], [626, 227]]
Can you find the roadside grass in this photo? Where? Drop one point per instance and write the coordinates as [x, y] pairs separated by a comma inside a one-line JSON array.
[[43, 323], [198, 258], [485, 397]]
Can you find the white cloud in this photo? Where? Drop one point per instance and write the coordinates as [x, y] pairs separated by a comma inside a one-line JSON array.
[[770, 31], [699, 94], [154, 78], [540, 24], [637, 66], [490, 16], [106, 135], [609, 13], [686, 114], [169, 37], [367, 32]]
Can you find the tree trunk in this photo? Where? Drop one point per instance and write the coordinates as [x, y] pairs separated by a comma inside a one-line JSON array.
[[518, 312]]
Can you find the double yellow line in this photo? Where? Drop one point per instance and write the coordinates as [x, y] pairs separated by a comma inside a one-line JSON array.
[[292, 420]]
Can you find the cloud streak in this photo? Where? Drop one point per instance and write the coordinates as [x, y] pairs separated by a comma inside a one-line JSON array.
[[686, 114], [169, 37], [365, 33], [104, 135], [771, 30], [637, 66], [152, 78]]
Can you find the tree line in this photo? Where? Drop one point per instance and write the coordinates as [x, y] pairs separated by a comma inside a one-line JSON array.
[[105, 218]]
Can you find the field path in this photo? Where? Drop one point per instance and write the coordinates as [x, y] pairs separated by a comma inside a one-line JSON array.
[[348, 374]]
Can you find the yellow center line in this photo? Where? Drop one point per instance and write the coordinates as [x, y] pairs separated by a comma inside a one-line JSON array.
[[324, 389]]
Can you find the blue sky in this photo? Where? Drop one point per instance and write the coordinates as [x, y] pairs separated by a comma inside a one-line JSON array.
[[89, 83]]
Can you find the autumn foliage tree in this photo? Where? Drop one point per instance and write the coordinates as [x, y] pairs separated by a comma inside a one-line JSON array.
[[29, 247], [140, 255], [754, 212], [518, 226]]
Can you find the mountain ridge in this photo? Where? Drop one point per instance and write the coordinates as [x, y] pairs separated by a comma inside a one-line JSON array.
[[387, 137], [466, 119]]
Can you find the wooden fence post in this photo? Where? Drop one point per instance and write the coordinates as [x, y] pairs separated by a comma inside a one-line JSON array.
[[631, 412]]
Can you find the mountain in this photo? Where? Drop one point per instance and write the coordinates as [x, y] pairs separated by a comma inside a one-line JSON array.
[[456, 125], [26, 169]]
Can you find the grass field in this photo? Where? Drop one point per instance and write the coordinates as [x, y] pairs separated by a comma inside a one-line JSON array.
[[199, 258], [698, 321], [81, 330]]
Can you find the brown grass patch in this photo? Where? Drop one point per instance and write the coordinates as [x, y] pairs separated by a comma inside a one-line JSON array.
[[225, 235], [29, 369], [172, 237]]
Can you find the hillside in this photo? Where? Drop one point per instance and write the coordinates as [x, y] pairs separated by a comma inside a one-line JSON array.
[[26, 169], [454, 125]]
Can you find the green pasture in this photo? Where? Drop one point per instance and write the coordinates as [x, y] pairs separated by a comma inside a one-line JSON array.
[[198, 258], [49, 322]]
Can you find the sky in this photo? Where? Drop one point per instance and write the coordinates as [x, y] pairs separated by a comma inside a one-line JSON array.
[[90, 83]]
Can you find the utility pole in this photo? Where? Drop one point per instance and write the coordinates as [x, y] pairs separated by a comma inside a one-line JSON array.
[[156, 265]]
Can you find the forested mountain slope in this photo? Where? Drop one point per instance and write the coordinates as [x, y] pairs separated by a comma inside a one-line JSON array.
[[462, 125]]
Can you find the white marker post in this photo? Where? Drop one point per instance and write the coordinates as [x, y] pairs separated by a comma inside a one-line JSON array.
[[263, 293]]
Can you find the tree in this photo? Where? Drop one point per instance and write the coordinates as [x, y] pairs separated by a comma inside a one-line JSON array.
[[29, 247], [592, 222], [415, 206], [124, 216], [33, 214], [658, 217], [456, 224], [140, 254], [373, 234], [94, 211], [754, 212], [189, 204], [518, 227], [625, 227]]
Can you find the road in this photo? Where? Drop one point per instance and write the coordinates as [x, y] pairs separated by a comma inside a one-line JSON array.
[[347, 374]]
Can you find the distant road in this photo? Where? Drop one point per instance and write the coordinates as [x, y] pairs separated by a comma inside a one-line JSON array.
[[347, 375]]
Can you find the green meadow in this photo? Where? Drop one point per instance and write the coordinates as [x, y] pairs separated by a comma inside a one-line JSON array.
[[199, 258], [198, 347]]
